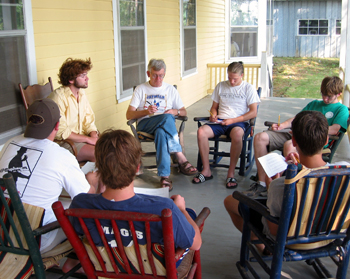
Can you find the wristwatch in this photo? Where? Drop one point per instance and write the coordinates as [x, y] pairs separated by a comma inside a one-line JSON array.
[[178, 112]]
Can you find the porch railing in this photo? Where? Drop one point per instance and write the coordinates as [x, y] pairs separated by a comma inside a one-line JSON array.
[[218, 73]]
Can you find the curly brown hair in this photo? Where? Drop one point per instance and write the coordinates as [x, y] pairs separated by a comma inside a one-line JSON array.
[[118, 155], [71, 68]]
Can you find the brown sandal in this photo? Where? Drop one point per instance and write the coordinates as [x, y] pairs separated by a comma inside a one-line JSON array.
[[166, 182], [186, 167]]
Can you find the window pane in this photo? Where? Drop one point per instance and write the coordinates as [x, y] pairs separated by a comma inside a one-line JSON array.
[[323, 23], [244, 12], [12, 72], [133, 58], [323, 31], [131, 13], [11, 15], [303, 23], [244, 43], [189, 12], [313, 23], [313, 31], [190, 49], [338, 27], [303, 31]]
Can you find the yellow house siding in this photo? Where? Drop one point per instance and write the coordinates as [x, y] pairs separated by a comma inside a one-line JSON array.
[[84, 28], [79, 29]]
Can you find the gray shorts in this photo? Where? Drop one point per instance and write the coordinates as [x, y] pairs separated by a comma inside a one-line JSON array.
[[277, 139]]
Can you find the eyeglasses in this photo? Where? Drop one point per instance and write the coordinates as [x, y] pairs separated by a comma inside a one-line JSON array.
[[157, 76]]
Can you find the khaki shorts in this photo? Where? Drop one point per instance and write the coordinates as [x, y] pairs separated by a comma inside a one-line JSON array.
[[277, 139], [78, 145]]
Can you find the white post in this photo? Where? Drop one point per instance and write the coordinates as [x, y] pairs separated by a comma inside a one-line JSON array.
[[263, 75], [344, 62], [345, 48]]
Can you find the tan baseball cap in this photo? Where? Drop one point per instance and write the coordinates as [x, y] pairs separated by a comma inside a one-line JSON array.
[[42, 116]]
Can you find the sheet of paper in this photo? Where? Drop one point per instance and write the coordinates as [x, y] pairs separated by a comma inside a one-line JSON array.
[[88, 167], [273, 163], [161, 192]]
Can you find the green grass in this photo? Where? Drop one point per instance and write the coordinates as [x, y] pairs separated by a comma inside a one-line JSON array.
[[296, 77]]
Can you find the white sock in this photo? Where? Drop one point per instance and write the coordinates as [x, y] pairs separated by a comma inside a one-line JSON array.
[[262, 184]]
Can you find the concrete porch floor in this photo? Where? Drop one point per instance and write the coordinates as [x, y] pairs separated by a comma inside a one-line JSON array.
[[221, 240]]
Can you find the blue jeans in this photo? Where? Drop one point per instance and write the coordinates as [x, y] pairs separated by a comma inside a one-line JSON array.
[[166, 139]]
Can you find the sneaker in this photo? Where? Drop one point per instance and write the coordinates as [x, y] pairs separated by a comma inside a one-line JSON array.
[[255, 190]]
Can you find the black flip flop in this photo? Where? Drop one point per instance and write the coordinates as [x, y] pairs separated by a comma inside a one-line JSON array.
[[231, 180], [201, 178]]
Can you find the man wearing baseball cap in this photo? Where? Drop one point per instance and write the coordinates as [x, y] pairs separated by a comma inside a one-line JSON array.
[[41, 168]]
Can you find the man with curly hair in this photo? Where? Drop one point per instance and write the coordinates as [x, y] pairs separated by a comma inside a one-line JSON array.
[[77, 122]]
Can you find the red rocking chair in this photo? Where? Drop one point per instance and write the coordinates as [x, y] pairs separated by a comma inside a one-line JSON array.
[[138, 261]]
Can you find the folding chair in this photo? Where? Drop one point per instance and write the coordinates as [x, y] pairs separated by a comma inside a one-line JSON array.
[[37, 91], [145, 137], [137, 261], [20, 237], [314, 223], [246, 159]]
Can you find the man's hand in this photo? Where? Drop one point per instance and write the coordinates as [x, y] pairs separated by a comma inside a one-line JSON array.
[[213, 118], [227, 122], [93, 134], [276, 127], [91, 140], [171, 111], [152, 109], [293, 158], [179, 201]]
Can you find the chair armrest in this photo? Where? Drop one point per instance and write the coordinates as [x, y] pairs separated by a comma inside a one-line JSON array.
[[182, 118], [131, 121], [201, 118], [47, 228], [202, 216], [333, 137], [255, 205], [269, 123]]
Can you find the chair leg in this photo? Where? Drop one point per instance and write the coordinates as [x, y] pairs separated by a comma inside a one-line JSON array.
[[197, 259], [344, 262], [242, 159], [199, 162]]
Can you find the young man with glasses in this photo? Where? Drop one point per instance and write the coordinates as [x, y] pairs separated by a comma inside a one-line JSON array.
[[155, 104], [77, 121]]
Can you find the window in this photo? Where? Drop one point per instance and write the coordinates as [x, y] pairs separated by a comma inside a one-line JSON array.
[[130, 45], [338, 27], [313, 27], [189, 37], [14, 68], [244, 28]]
